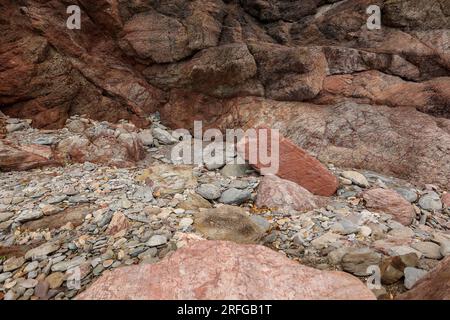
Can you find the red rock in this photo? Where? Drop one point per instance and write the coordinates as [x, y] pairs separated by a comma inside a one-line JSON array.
[[118, 223], [274, 192], [434, 286], [224, 270], [389, 201], [446, 200], [295, 164], [17, 157]]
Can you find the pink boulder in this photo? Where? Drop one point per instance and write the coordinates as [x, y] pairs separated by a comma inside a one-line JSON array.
[[274, 192], [225, 270], [295, 164], [390, 202]]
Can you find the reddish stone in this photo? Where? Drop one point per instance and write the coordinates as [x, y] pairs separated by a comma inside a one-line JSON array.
[[224, 270], [295, 164], [118, 223], [390, 202], [16, 157], [446, 200], [434, 286], [274, 192]]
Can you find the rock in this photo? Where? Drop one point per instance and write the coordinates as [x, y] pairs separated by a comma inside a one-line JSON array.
[[356, 177], [357, 261], [67, 265], [403, 250], [445, 248], [274, 192], [157, 240], [45, 140], [446, 200], [428, 249], [5, 216], [55, 280], [209, 191], [325, 240], [29, 283], [235, 196], [225, 266], [41, 252], [13, 263], [430, 201], [194, 202], [24, 157], [169, 179], [73, 215], [261, 222], [390, 202], [294, 164], [392, 268], [234, 170], [146, 137], [412, 275], [408, 194], [4, 276], [13, 127], [435, 285], [227, 223], [119, 222], [163, 136], [185, 223], [48, 209]]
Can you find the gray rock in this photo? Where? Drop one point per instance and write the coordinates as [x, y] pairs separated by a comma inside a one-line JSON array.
[[345, 227], [209, 191], [235, 196], [261, 222], [56, 199], [430, 201], [235, 170], [89, 166], [46, 140], [408, 194], [186, 222], [4, 276], [66, 265], [157, 240], [146, 137], [412, 275], [31, 266], [238, 184], [29, 215], [78, 199], [163, 136]]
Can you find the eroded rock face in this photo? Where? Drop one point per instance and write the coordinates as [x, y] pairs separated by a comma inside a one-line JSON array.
[[209, 59], [224, 270]]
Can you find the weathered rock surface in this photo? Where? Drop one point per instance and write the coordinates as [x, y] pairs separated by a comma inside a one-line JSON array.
[[433, 286], [391, 202], [277, 193], [292, 162], [228, 271]]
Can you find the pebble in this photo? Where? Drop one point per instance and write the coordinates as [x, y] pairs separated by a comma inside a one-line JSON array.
[[157, 240], [163, 136], [357, 178], [235, 196], [4, 276], [408, 194], [209, 191], [28, 283], [186, 222], [13, 263]]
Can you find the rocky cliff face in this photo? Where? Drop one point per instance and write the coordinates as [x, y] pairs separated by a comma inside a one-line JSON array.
[[374, 99]]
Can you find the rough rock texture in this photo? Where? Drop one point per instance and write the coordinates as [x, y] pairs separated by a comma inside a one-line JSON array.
[[223, 270], [294, 163], [228, 223], [24, 157], [434, 286], [390, 202], [274, 192], [372, 99]]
